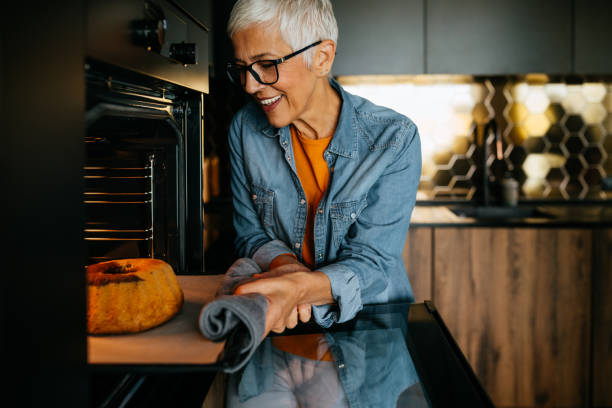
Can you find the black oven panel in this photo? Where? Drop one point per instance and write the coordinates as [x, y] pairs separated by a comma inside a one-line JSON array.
[[157, 38]]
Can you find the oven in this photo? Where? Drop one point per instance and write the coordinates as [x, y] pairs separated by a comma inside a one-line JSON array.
[[146, 71]]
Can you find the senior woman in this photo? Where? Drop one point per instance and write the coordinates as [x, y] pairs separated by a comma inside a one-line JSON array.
[[323, 182]]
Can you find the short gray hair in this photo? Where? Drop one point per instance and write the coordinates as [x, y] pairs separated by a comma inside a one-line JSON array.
[[300, 22]]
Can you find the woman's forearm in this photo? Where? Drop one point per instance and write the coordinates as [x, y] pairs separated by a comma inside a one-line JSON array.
[[312, 287]]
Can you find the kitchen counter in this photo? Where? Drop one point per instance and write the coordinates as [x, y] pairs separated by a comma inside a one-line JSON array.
[[566, 216]]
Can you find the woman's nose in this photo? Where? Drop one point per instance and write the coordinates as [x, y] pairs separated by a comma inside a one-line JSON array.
[[251, 85]]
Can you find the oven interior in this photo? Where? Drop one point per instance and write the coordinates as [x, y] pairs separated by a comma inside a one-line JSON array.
[[138, 184]]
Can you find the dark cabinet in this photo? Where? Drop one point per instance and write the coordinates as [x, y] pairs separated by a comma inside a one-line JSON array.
[[593, 32], [476, 37], [489, 37], [383, 37], [201, 10]]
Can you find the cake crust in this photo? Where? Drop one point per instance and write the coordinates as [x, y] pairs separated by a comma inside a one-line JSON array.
[[131, 295]]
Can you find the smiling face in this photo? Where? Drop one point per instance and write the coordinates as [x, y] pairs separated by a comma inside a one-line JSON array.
[[290, 98]]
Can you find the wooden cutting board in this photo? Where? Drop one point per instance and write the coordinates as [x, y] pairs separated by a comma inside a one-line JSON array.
[[178, 341]]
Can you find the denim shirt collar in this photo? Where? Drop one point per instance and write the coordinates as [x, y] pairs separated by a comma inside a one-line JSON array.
[[344, 141]]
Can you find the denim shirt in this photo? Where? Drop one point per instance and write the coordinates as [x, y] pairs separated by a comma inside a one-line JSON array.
[[360, 227]]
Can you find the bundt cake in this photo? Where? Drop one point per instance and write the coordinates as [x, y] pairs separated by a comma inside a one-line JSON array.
[[131, 295]]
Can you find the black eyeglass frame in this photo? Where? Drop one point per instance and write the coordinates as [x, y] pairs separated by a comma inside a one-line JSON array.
[[275, 62]]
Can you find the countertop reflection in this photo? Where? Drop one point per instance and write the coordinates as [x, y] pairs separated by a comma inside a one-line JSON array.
[[389, 356]]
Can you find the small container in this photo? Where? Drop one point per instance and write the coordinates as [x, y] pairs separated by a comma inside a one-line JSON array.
[[510, 190]]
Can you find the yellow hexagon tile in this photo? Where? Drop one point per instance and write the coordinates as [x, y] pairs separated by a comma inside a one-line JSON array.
[[535, 187], [536, 166], [608, 125], [461, 144], [517, 135], [519, 92], [556, 92], [574, 101], [537, 101], [517, 113], [607, 102], [594, 113], [593, 92], [481, 113], [536, 125]]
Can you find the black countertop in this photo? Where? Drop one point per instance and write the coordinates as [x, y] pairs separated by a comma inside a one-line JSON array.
[[396, 355]]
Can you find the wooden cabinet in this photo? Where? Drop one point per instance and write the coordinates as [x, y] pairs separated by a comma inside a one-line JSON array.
[[529, 307], [491, 37], [417, 256], [517, 302], [592, 37], [383, 37], [602, 318]]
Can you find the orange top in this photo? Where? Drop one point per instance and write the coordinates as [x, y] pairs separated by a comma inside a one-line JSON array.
[[314, 175]]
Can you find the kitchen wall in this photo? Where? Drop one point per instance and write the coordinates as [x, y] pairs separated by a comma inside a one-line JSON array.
[[556, 133]]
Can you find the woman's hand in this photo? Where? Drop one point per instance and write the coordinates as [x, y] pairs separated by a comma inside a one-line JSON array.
[[304, 310], [283, 292]]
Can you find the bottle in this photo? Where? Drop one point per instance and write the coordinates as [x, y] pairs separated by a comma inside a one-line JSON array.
[[510, 190]]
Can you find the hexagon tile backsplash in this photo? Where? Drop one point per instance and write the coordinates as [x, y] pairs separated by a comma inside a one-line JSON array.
[[556, 136]]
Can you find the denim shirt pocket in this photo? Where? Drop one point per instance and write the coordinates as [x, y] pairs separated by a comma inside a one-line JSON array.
[[263, 201], [343, 215]]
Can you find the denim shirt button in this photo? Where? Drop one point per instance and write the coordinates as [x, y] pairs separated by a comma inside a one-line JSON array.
[[254, 196], [302, 201], [320, 211], [297, 244], [340, 365], [353, 215]]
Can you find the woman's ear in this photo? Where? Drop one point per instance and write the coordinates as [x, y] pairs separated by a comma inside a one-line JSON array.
[[323, 58]]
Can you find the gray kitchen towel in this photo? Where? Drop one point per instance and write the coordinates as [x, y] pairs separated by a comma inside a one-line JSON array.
[[240, 320]]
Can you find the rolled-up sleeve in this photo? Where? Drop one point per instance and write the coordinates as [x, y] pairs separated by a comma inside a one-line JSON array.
[[373, 245], [346, 292], [266, 253]]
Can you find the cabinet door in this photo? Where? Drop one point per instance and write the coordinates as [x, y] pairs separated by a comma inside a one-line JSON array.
[[517, 301], [592, 37], [489, 37], [382, 37], [602, 318], [417, 260]]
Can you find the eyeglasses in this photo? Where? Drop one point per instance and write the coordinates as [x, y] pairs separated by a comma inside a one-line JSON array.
[[264, 71]]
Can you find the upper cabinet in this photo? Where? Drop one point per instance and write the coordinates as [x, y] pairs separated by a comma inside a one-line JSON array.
[[592, 37], [382, 37], [493, 37], [475, 37]]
